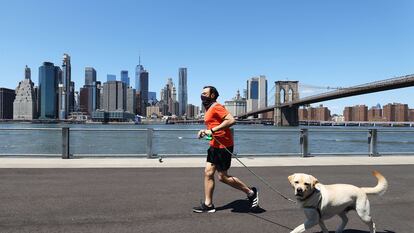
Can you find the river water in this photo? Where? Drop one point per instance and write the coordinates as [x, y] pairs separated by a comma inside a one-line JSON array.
[[175, 139]]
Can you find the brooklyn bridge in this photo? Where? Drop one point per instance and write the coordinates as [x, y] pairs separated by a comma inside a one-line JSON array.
[[287, 102]]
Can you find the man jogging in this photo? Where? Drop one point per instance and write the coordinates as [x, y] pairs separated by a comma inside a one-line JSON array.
[[218, 121]]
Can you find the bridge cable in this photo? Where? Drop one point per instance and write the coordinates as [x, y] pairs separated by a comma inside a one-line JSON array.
[[259, 177]]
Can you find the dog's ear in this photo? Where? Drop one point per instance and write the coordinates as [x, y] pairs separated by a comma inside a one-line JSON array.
[[290, 178], [314, 181]]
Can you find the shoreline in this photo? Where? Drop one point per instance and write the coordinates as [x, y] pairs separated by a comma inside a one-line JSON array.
[[191, 122]]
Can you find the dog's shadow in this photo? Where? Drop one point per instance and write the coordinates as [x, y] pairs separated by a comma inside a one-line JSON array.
[[359, 231], [241, 206]]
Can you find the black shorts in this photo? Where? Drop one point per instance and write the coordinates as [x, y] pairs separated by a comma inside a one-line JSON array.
[[220, 157]]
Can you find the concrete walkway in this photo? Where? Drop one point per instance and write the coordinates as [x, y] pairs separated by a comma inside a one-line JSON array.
[[8, 162], [160, 200]]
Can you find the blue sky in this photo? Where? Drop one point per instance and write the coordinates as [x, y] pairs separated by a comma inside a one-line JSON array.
[[222, 43]]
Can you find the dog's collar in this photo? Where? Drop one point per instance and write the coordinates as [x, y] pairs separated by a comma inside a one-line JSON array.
[[314, 204], [310, 195]]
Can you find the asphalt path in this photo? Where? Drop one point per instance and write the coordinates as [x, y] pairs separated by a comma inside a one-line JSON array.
[[161, 199]]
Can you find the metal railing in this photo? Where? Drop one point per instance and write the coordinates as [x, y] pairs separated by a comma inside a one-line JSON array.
[[304, 140]]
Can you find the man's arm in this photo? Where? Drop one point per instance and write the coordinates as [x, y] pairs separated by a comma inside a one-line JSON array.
[[228, 121]]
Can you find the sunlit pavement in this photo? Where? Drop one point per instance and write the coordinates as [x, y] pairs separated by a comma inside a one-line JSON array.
[[160, 200]]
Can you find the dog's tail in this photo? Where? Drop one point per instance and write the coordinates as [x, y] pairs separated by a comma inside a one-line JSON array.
[[381, 186]]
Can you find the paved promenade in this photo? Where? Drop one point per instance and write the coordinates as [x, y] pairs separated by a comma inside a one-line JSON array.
[[134, 195]]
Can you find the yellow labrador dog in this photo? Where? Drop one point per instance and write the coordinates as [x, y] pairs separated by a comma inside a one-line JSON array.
[[321, 202]]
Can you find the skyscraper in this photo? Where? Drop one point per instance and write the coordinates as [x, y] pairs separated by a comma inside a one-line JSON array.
[[256, 93], [49, 74], [124, 77], [110, 77], [138, 70], [6, 103], [66, 89], [141, 84], [24, 106], [168, 98], [89, 93], [90, 75], [130, 100], [152, 97], [182, 90], [114, 96]]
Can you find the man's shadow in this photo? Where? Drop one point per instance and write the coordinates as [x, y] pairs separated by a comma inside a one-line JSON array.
[[241, 206]]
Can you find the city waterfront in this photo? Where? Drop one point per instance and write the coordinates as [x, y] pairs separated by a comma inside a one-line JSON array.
[[180, 140]]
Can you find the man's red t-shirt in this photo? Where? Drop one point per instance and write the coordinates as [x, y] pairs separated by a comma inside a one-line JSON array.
[[214, 117]]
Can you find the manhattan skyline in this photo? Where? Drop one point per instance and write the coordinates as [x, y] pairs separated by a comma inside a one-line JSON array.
[[222, 44]]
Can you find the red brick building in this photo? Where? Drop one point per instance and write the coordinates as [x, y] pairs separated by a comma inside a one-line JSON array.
[[396, 112], [320, 113]]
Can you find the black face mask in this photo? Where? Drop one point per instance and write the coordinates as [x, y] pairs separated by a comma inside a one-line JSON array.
[[207, 101]]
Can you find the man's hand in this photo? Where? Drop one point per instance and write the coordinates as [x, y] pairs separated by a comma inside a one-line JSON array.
[[202, 133]]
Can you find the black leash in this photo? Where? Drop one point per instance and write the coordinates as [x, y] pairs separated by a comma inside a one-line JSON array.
[[259, 177]]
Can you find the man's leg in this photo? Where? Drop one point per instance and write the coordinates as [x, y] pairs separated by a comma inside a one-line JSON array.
[[233, 181], [209, 171]]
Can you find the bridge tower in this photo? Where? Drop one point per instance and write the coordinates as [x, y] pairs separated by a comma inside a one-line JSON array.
[[286, 91]]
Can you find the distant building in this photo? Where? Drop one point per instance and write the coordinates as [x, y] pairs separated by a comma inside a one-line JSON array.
[[338, 118], [152, 97], [168, 98], [130, 100], [49, 75], [90, 76], [110, 77], [112, 116], [237, 106], [24, 105], [153, 111], [375, 114], [319, 113], [66, 89], [114, 96], [256, 93], [360, 113], [89, 94], [303, 114], [124, 77], [138, 70], [411, 115], [164, 108], [76, 107], [396, 112], [356, 113], [138, 104], [190, 111], [85, 105], [141, 86], [182, 90], [6, 103], [348, 114]]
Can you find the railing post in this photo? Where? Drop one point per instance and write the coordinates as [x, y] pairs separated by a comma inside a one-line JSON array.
[[372, 142], [150, 134], [304, 142], [65, 143]]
